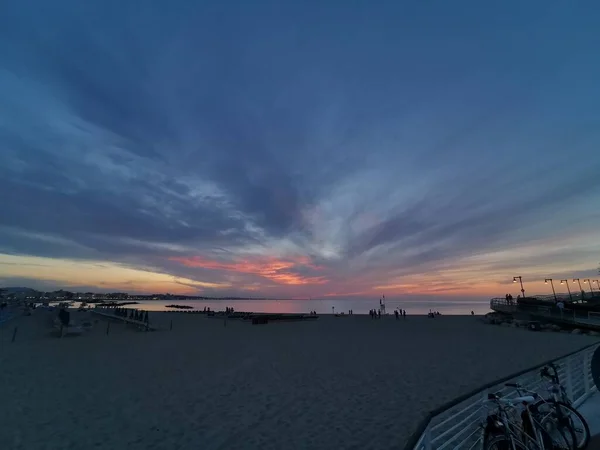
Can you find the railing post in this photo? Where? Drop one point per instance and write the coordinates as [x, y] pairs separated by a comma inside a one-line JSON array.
[[426, 443], [586, 366], [569, 375], [484, 400]]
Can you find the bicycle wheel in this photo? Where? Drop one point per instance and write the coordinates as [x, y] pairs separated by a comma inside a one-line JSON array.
[[558, 435], [573, 417], [502, 442]]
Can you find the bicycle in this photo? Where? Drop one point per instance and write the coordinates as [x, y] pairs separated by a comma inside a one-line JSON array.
[[559, 399], [559, 404], [508, 428]]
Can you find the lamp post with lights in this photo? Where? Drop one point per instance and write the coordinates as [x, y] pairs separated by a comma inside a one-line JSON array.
[[580, 288], [520, 281], [586, 281], [568, 289], [551, 284]]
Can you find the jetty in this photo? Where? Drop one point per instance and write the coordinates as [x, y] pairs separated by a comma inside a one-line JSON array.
[[105, 313]]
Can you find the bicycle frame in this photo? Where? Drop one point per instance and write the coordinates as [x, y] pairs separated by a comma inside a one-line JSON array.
[[556, 389], [515, 432]]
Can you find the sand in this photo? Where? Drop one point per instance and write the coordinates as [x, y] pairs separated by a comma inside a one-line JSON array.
[[336, 383]]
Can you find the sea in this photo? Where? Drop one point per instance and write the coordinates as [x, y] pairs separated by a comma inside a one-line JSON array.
[[324, 306]]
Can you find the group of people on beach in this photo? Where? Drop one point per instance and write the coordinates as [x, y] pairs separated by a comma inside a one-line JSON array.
[[400, 312], [376, 313]]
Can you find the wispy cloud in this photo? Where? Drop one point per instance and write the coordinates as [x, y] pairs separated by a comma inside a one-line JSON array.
[[218, 155]]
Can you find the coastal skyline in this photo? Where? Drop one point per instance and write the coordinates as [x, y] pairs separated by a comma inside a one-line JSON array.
[[301, 150]]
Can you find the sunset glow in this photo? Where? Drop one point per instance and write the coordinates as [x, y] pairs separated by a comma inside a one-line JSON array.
[[269, 268]]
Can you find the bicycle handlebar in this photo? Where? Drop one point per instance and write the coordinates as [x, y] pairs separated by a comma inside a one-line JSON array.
[[545, 373]]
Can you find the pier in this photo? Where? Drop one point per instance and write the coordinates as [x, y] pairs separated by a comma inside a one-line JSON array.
[[574, 315]]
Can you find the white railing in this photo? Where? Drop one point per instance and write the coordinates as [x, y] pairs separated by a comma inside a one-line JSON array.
[[457, 425]]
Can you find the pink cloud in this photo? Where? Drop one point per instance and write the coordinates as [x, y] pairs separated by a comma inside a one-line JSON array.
[[277, 270]]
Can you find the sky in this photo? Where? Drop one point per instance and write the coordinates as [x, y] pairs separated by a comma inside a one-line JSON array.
[[299, 149]]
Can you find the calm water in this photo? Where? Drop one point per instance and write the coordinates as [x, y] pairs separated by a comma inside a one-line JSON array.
[[322, 306]]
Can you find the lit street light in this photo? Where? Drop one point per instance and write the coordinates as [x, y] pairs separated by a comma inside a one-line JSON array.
[[551, 284], [568, 289], [520, 281], [580, 288]]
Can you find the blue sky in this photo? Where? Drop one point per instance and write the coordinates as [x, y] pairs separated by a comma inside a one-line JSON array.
[[299, 149]]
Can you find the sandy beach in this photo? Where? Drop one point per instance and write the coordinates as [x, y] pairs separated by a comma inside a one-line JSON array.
[[335, 383]]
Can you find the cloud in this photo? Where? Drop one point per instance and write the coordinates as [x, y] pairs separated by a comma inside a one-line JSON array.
[[278, 271], [262, 156]]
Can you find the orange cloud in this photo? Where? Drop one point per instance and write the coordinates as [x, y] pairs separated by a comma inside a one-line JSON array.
[[347, 294], [279, 271]]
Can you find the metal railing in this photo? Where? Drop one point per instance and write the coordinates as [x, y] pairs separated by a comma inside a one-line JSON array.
[[549, 310], [503, 305], [576, 296], [458, 424]]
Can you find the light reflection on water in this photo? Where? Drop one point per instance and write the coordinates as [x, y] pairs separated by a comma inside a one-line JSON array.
[[452, 307]]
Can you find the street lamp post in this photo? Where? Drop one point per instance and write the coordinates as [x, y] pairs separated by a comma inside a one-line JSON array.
[[520, 281], [580, 288], [587, 280], [551, 284], [568, 289]]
